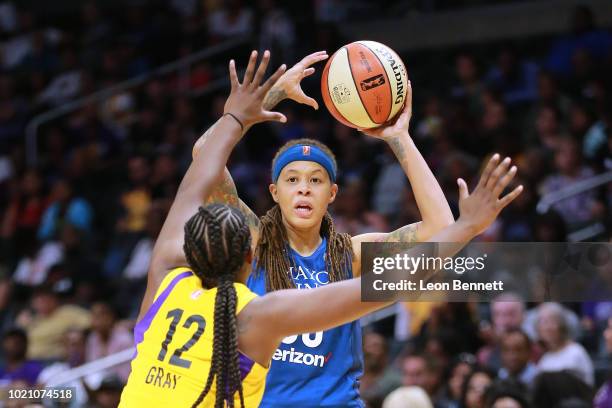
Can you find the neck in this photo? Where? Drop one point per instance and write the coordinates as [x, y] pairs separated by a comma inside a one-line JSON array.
[[303, 241]]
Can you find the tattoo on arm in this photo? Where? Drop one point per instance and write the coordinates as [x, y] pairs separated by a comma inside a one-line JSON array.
[[225, 192], [406, 234], [273, 97], [398, 149], [251, 218]]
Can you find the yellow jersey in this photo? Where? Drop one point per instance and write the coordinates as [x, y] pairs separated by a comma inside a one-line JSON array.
[[174, 343]]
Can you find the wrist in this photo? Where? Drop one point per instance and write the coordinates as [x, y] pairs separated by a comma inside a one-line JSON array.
[[400, 137], [236, 118], [470, 228], [235, 122]]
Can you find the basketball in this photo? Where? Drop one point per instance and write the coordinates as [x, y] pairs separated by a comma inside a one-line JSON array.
[[364, 84]]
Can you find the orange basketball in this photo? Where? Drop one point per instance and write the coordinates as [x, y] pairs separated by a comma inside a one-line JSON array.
[[364, 84]]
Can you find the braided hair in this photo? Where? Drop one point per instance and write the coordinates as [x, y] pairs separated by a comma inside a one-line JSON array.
[[272, 253], [217, 239]]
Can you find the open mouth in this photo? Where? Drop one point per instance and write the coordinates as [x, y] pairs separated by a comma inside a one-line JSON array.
[[303, 209]]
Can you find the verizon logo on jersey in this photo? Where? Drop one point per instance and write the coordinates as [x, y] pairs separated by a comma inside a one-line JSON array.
[[298, 357], [310, 340]]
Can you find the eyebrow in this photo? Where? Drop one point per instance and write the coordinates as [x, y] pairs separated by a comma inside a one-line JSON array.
[[297, 171]]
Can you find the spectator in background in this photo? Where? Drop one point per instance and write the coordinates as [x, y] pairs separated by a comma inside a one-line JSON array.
[[47, 321], [391, 179], [579, 208], [108, 394], [548, 127], [64, 208], [408, 397], [164, 176], [507, 394], [16, 367], [460, 370], [73, 356], [516, 80], [107, 337], [8, 304], [583, 35], [475, 387], [136, 201], [516, 358], [25, 209], [562, 353], [351, 214], [507, 314], [276, 31], [426, 372], [140, 257], [603, 399], [470, 87], [378, 377], [551, 389], [39, 258], [232, 20]]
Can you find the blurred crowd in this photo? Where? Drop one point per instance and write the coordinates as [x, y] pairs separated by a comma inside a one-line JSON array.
[[77, 229]]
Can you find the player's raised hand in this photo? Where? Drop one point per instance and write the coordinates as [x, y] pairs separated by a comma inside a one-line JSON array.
[[288, 86], [245, 101], [480, 208], [397, 127]]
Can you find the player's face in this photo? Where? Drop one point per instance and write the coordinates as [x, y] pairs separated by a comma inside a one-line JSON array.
[[303, 191]]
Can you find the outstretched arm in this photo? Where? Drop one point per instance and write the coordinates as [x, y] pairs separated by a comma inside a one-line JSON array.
[[266, 318], [435, 211], [287, 87], [243, 107]]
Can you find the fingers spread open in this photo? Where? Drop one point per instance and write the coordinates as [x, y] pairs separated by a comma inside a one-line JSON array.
[[500, 170], [488, 170], [250, 70], [261, 70], [275, 116], [508, 198], [272, 80], [463, 189], [301, 97], [314, 57], [233, 75], [504, 181], [308, 72]]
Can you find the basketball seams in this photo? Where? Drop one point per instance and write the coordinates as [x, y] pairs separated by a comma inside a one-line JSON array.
[[335, 112], [348, 59], [386, 77], [394, 92]]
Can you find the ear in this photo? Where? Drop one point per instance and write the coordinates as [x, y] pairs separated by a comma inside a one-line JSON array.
[[333, 193], [273, 192]]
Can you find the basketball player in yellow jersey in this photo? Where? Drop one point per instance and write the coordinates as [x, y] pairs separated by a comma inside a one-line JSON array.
[[203, 339]]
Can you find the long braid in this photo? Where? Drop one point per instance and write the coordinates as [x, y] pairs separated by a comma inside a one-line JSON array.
[[216, 240], [273, 257]]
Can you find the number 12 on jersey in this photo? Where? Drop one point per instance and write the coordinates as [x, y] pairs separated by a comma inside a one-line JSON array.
[[176, 315]]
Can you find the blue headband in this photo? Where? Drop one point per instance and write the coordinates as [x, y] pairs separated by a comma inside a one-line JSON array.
[[304, 153]]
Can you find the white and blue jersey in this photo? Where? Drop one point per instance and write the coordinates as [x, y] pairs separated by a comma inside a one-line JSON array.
[[313, 369]]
